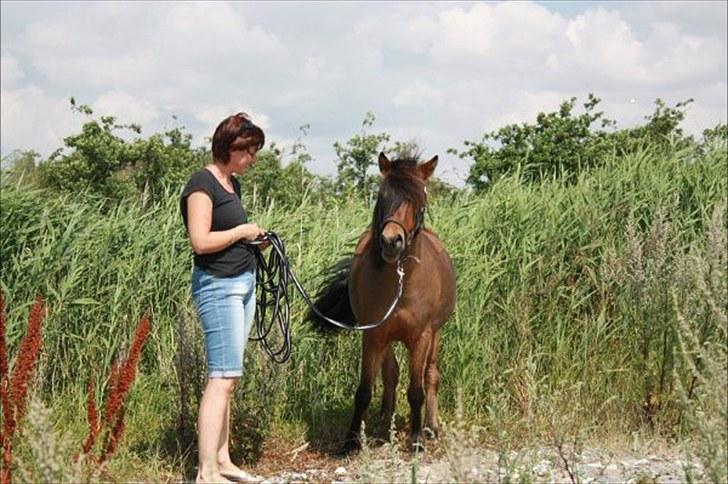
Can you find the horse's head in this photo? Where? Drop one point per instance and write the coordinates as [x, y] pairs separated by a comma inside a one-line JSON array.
[[400, 208]]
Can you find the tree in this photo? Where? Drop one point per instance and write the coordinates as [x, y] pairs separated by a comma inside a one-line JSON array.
[[356, 156], [661, 130], [561, 144], [716, 134], [558, 143], [164, 159], [269, 181], [100, 161], [21, 165]]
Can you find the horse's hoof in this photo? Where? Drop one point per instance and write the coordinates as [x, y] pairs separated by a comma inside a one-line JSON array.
[[386, 418], [350, 447], [430, 433]]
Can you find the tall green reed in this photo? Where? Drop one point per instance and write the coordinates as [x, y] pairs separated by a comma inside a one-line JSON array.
[[549, 294]]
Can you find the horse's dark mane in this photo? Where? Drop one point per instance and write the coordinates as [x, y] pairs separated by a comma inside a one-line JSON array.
[[401, 184]]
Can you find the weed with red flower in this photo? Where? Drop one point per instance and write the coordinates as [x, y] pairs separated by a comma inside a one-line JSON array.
[[14, 387], [121, 379]]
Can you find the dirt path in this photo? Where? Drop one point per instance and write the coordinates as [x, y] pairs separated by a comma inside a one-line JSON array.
[[440, 464]]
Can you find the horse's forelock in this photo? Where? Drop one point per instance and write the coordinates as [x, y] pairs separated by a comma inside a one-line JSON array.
[[400, 184]]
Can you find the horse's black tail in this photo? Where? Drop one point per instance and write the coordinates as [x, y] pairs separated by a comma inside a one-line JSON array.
[[332, 299]]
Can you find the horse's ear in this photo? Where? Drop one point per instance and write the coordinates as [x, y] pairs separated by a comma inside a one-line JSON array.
[[384, 164], [427, 169]]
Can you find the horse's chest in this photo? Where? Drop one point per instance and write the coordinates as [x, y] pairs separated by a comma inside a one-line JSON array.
[[372, 292]]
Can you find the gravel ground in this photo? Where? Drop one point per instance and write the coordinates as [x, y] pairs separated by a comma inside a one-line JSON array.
[[383, 464]]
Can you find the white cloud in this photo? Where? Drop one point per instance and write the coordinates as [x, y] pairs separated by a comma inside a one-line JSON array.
[[188, 45], [313, 68], [203, 31], [418, 94], [504, 33], [10, 71], [522, 106], [606, 47], [125, 107], [603, 43], [31, 119], [443, 72], [705, 18]]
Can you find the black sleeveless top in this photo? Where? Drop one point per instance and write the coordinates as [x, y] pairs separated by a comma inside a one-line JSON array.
[[227, 212]]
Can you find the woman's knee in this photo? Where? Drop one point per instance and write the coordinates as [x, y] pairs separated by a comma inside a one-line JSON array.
[[222, 386]]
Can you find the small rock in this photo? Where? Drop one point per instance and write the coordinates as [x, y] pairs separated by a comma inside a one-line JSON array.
[[340, 471], [542, 468]]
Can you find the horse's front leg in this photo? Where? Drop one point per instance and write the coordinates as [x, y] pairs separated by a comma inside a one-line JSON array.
[[432, 384], [390, 378], [371, 360], [419, 351]]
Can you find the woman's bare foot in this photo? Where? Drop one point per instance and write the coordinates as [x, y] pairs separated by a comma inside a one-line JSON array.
[[204, 479], [235, 474]]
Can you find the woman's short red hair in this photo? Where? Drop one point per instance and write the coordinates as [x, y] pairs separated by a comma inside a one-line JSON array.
[[229, 130]]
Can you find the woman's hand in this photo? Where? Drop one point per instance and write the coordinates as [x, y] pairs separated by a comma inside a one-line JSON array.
[[248, 232]]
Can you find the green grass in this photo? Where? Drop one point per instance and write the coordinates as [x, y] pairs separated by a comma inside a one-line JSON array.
[[568, 294]]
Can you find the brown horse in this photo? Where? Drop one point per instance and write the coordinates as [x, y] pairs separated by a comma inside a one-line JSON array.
[[365, 286]]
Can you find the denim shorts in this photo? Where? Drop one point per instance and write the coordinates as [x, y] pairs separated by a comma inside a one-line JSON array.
[[226, 307]]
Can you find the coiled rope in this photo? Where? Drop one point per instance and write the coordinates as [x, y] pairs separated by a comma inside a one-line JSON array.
[[273, 277]]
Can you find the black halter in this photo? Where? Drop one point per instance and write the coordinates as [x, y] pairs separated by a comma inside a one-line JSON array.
[[409, 235]]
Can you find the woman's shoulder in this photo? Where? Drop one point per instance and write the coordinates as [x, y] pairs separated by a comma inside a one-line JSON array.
[[203, 180], [202, 174]]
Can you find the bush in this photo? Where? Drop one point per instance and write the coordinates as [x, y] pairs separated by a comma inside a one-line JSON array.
[[561, 144]]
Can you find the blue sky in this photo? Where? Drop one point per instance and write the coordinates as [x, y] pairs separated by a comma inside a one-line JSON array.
[[438, 73]]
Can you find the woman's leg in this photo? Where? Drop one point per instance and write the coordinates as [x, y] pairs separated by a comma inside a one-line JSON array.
[[245, 302], [223, 451], [211, 424], [226, 319]]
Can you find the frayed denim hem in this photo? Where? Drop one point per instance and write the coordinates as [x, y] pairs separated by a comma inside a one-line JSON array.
[[225, 374]]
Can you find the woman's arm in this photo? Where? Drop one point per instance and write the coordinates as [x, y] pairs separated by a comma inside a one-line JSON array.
[[199, 222]]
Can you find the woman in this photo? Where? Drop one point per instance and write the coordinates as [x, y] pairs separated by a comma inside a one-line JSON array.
[[223, 283]]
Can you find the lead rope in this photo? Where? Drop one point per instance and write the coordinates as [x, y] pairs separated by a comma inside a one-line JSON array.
[[272, 279]]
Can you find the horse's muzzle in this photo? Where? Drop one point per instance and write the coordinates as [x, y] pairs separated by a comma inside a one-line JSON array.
[[392, 248]]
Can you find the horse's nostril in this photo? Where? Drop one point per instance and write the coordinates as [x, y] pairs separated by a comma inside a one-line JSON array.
[[394, 243], [398, 242]]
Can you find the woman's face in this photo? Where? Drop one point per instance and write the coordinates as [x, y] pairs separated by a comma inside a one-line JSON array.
[[242, 158]]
